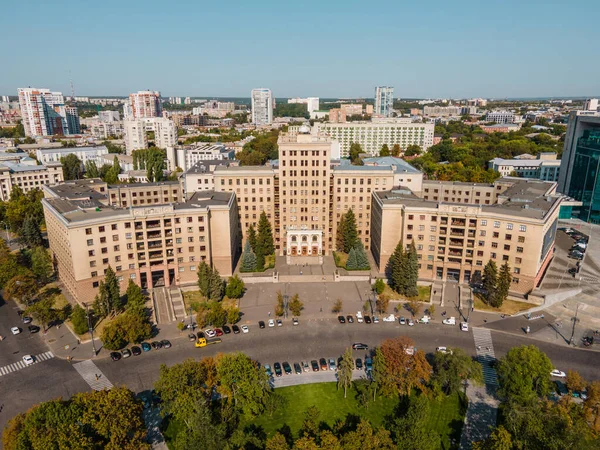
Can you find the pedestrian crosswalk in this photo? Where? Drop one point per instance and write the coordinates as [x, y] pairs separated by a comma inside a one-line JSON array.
[[21, 364], [485, 354], [92, 375]]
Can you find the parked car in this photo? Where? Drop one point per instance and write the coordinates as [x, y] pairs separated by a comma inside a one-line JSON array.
[[245, 329], [287, 368], [277, 368], [360, 346], [28, 360], [126, 353], [218, 332], [464, 326], [443, 350], [261, 324], [297, 369], [449, 321], [115, 356], [315, 365], [359, 317], [323, 363], [236, 329], [165, 343], [279, 323], [33, 329], [192, 337], [390, 318], [210, 333], [27, 319], [146, 347], [350, 319], [136, 351], [271, 323], [332, 365], [410, 322], [15, 330], [402, 321], [425, 319], [295, 321], [574, 254], [341, 319], [375, 319], [268, 370], [367, 319], [368, 364], [200, 334], [572, 270], [156, 345], [305, 366], [201, 342], [558, 373], [226, 329], [358, 364]]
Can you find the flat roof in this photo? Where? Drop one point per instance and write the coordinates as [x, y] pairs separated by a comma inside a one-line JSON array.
[[90, 148]]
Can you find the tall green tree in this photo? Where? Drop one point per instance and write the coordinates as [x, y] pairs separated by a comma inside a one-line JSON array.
[[91, 170], [72, 167], [490, 281], [251, 238], [43, 311], [345, 369], [30, 233], [264, 241], [248, 258], [295, 305], [412, 150], [362, 260], [412, 427], [396, 150], [355, 151], [204, 279], [136, 300], [352, 261], [503, 285], [339, 237], [41, 264], [216, 286], [385, 150], [452, 368], [113, 290], [412, 272], [22, 288], [350, 231], [79, 319], [235, 287]]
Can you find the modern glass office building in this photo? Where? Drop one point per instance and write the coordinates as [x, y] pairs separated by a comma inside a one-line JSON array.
[[581, 165]]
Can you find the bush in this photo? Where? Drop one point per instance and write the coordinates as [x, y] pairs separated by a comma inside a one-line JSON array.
[[235, 287], [79, 320], [379, 286]]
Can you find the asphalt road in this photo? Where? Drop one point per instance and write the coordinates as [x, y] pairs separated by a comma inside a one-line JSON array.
[[13, 347], [307, 341]]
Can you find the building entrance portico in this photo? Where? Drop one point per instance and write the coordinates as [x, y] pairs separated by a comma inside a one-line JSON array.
[[304, 242]]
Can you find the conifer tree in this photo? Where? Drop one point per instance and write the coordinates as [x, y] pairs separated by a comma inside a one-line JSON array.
[[352, 261], [248, 258], [350, 231], [502, 285], [339, 238], [412, 272], [362, 260], [252, 237], [490, 281]]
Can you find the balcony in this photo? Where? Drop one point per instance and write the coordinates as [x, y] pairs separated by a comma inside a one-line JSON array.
[[141, 257], [167, 223], [471, 233], [441, 241], [169, 243], [457, 232], [139, 236], [139, 226], [455, 252], [457, 242], [168, 233], [441, 251], [443, 230], [154, 235], [454, 260], [170, 253], [156, 263], [141, 246], [153, 224], [459, 222], [444, 221], [155, 255], [472, 223], [155, 244]]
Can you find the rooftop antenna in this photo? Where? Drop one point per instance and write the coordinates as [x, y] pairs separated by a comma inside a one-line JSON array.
[[72, 89]]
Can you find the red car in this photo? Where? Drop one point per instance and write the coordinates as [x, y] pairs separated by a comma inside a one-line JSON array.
[[219, 332]]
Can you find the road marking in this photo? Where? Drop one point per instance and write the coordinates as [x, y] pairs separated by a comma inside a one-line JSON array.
[[485, 354], [21, 364], [92, 375]]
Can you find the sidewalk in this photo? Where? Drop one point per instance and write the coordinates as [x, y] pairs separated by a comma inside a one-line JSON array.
[[481, 416]]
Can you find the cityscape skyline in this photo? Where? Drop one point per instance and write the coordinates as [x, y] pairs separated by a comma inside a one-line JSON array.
[[422, 56]]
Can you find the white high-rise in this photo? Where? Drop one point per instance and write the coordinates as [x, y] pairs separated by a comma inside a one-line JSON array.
[[134, 135], [591, 104], [262, 106], [144, 104], [44, 113], [384, 101]]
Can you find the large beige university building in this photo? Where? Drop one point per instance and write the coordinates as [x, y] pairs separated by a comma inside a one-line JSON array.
[[156, 234]]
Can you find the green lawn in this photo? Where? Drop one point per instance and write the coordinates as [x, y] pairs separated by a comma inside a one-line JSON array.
[[424, 294]]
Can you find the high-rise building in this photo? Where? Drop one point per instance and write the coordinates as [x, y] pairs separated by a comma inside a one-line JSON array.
[[145, 104], [44, 113], [165, 132], [134, 135], [579, 176], [384, 101], [262, 106], [591, 104]]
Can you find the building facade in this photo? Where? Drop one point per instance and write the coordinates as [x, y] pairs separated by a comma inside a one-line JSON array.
[[134, 135], [153, 245], [500, 117], [85, 154], [28, 177], [580, 164], [262, 106], [44, 113], [546, 167], [384, 101], [372, 135], [145, 104]]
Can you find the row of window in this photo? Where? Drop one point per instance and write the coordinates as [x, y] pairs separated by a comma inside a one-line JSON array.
[[482, 222]]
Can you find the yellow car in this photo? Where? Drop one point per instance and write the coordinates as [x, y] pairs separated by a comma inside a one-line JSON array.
[[200, 343]]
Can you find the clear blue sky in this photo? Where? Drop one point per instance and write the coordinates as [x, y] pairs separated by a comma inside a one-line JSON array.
[[326, 48]]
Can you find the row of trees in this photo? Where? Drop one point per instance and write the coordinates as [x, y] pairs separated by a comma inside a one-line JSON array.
[[214, 310], [496, 285], [23, 214], [152, 160], [259, 244], [295, 305], [402, 270], [528, 419], [260, 149]]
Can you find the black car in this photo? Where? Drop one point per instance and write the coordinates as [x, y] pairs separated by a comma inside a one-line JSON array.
[[235, 329], [165, 343], [573, 270], [226, 329], [286, 368], [574, 254], [360, 346], [359, 364], [261, 324], [115, 356], [315, 365], [341, 319], [156, 345], [136, 350], [297, 369], [200, 334], [323, 364], [350, 319], [33, 329], [367, 319], [277, 368]]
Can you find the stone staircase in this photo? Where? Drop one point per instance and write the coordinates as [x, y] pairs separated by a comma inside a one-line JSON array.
[[177, 301]]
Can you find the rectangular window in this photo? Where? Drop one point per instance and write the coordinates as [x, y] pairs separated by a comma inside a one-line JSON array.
[[496, 224], [519, 249], [509, 226], [521, 239], [522, 227], [90, 242]]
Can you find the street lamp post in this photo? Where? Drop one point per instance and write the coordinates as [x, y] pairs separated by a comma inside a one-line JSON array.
[[575, 320], [87, 313], [191, 320]]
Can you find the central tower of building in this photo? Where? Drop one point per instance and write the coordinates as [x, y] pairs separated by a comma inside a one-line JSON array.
[[305, 177]]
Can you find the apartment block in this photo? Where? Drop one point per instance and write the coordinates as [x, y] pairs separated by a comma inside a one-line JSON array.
[[372, 135], [44, 113], [85, 154], [546, 167], [384, 101], [454, 241], [145, 104], [135, 136], [500, 117], [201, 176], [154, 245], [262, 106], [187, 156], [442, 111], [28, 177]]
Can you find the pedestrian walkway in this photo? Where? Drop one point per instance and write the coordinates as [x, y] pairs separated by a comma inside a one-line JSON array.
[[21, 364], [177, 302], [485, 354], [481, 416], [162, 306], [92, 375]]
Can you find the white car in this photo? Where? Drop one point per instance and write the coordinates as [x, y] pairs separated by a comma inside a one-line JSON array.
[[449, 321], [389, 318], [210, 333], [28, 360], [15, 330], [359, 317], [295, 321], [443, 350], [245, 328], [271, 323], [425, 319], [411, 322], [558, 373], [464, 326], [375, 319]]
